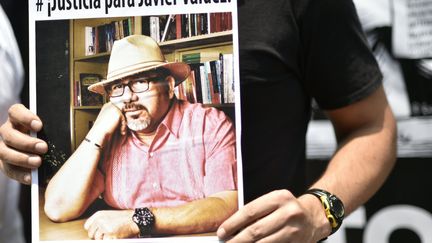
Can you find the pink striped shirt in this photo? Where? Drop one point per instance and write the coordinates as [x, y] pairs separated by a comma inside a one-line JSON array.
[[191, 157]]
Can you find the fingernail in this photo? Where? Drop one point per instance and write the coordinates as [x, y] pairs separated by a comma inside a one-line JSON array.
[[34, 161], [41, 147], [36, 125], [221, 233]]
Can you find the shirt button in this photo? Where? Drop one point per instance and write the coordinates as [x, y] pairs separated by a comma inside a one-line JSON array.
[[151, 154], [155, 185]]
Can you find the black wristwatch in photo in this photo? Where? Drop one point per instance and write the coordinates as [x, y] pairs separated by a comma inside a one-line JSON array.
[[145, 220], [333, 207]]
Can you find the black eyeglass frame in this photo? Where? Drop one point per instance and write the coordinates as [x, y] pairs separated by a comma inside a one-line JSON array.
[[130, 83]]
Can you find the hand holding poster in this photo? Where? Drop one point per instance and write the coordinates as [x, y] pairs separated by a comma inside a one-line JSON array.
[[148, 163]]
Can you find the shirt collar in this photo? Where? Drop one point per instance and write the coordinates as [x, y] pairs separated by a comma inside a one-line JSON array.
[[173, 118]]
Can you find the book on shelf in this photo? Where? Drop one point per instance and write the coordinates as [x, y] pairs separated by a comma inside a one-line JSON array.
[[154, 28], [210, 81], [228, 78], [170, 27], [169, 31], [89, 41], [197, 57], [99, 39], [77, 93], [88, 98]]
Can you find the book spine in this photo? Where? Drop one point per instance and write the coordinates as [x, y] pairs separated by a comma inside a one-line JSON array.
[[125, 27], [145, 28], [130, 25], [78, 93], [154, 28], [167, 28], [210, 89], [198, 88], [219, 81], [209, 23], [215, 85], [89, 44], [189, 25], [204, 85], [231, 80], [178, 26]]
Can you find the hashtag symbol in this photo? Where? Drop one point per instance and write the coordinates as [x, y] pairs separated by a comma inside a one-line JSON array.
[[39, 4]]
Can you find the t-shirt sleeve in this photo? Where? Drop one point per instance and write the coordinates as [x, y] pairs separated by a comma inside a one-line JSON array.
[[220, 165], [339, 67]]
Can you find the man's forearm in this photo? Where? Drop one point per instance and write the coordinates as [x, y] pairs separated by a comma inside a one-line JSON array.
[[362, 163], [199, 216], [72, 189]]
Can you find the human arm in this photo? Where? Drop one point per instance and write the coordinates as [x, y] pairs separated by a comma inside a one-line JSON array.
[[199, 216], [366, 133], [78, 176]]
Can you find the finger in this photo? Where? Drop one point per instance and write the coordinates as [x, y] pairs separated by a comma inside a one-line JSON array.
[[91, 232], [17, 158], [263, 227], [20, 115], [21, 141], [89, 222], [109, 237], [279, 236], [252, 211], [19, 174], [98, 235]]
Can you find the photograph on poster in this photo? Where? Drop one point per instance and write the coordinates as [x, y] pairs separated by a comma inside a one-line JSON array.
[[140, 115]]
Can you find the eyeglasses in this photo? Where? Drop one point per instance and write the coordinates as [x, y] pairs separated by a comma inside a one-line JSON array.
[[138, 85]]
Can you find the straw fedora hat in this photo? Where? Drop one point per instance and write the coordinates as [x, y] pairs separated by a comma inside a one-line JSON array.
[[135, 54]]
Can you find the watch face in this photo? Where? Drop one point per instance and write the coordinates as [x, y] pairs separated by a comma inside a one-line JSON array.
[[145, 220], [337, 207]]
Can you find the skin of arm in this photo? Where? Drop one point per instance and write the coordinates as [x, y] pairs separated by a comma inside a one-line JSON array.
[[198, 216], [366, 134], [73, 188]]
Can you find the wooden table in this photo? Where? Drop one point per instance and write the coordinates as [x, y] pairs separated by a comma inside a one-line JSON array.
[[74, 229], [49, 230]]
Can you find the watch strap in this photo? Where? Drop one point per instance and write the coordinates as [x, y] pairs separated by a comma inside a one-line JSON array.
[[333, 207]]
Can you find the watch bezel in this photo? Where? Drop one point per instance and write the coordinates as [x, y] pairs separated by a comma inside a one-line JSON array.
[[145, 220]]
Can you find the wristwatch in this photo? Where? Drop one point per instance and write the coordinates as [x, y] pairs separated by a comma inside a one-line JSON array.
[[333, 207], [145, 220]]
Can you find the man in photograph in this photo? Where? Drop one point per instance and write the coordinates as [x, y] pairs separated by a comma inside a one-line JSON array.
[[164, 165]]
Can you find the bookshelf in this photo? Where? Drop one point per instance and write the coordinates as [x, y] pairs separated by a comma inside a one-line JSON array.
[[83, 117]]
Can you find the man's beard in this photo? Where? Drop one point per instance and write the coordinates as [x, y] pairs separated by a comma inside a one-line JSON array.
[[139, 125]]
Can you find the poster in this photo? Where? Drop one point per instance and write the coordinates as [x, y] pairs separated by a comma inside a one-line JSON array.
[[412, 28], [72, 50]]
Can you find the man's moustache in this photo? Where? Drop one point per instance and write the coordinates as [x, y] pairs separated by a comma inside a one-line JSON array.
[[133, 107]]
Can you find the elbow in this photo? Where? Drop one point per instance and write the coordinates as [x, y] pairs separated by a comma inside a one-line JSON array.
[[54, 213], [58, 211]]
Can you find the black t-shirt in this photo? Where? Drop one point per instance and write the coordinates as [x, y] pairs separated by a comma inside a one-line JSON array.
[[290, 52]]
